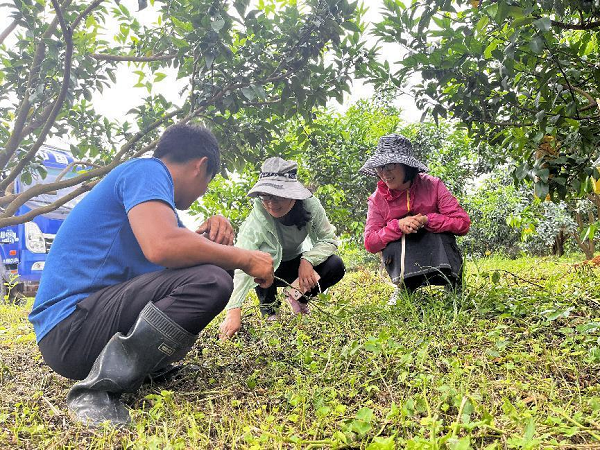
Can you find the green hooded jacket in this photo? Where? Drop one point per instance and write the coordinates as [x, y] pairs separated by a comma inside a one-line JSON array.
[[261, 231]]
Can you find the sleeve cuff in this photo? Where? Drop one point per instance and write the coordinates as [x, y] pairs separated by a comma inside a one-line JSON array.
[[309, 259], [428, 224]]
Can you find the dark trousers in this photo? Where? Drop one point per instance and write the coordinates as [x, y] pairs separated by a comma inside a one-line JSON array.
[[429, 259], [191, 297], [331, 271]]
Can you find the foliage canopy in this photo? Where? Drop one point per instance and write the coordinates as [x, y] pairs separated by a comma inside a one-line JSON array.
[[246, 71], [523, 74]]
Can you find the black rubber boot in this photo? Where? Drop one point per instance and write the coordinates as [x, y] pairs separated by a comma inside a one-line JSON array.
[[153, 342]]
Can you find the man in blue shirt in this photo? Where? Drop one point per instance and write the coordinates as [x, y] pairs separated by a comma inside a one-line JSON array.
[[126, 288]]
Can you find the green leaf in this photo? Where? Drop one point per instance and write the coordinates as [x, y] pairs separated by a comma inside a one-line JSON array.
[[361, 427], [516, 12], [543, 174], [249, 92], [365, 414], [536, 45], [158, 76], [541, 189], [460, 444], [543, 24], [217, 25], [521, 171], [490, 48], [208, 60], [529, 431], [351, 26], [482, 23], [382, 443], [179, 43]]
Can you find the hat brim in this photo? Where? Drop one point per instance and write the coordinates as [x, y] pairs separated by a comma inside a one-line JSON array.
[[284, 188], [381, 159]]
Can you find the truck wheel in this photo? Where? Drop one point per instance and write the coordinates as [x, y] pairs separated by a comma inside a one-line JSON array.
[[3, 285], [9, 291]]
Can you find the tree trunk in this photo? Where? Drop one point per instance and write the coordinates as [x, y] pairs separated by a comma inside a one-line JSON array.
[[558, 248]]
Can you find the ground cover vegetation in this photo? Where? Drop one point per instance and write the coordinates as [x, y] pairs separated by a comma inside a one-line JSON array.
[[513, 362], [259, 76]]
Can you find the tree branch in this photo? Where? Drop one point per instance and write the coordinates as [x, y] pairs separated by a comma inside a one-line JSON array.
[[23, 110], [500, 124], [85, 13], [70, 166], [147, 148], [591, 102], [575, 26], [67, 34], [9, 29], [131, 58], [14, 201], [14, 220], [140, 134], [562, 71], [49, 114]]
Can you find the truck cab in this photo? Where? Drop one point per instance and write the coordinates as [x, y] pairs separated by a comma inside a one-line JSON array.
[[23, 247]]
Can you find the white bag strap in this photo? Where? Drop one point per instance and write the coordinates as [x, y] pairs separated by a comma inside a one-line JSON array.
[[402, 257]]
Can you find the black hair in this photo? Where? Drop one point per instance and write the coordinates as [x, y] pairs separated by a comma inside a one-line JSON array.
[[183, 142], [409, 173], [298, 215]]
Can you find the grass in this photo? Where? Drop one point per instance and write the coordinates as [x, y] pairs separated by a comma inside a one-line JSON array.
[[514, 362]]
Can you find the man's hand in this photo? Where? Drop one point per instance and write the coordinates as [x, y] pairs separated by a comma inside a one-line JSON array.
[[260, 266], [217, 229], [231, 324], [307, 277]]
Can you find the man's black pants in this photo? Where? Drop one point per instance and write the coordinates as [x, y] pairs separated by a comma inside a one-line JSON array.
[[191, 297], [331, 271]]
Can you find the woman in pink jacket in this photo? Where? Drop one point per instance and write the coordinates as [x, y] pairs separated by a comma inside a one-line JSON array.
[[413, 219]]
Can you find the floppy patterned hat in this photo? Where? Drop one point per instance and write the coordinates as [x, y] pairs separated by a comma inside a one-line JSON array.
[[279, 177], [393, 148]]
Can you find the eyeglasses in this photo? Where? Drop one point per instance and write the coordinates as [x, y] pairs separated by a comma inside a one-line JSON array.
[[386, 167], [266, 198]]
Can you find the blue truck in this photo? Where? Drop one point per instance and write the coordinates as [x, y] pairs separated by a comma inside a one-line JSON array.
[[23, 247]]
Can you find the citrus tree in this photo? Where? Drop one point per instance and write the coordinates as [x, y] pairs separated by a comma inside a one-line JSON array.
[[522, 74], [246, 71]]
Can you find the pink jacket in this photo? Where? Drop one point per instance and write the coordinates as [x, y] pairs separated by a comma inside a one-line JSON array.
[[428, 196]]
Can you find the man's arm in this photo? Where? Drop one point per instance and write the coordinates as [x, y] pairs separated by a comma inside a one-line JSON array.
[[163, 242]]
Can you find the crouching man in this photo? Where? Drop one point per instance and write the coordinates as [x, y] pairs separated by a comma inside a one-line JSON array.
[[126, 288]]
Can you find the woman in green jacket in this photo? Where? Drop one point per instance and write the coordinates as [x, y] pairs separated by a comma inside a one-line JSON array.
[[284, 216]]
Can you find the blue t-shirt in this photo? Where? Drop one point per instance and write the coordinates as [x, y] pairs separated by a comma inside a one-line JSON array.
[[95, 246]]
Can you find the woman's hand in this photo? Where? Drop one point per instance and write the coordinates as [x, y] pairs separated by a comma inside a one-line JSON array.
[[412, 224], [231, 324], [307, 277], [422, 218]]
